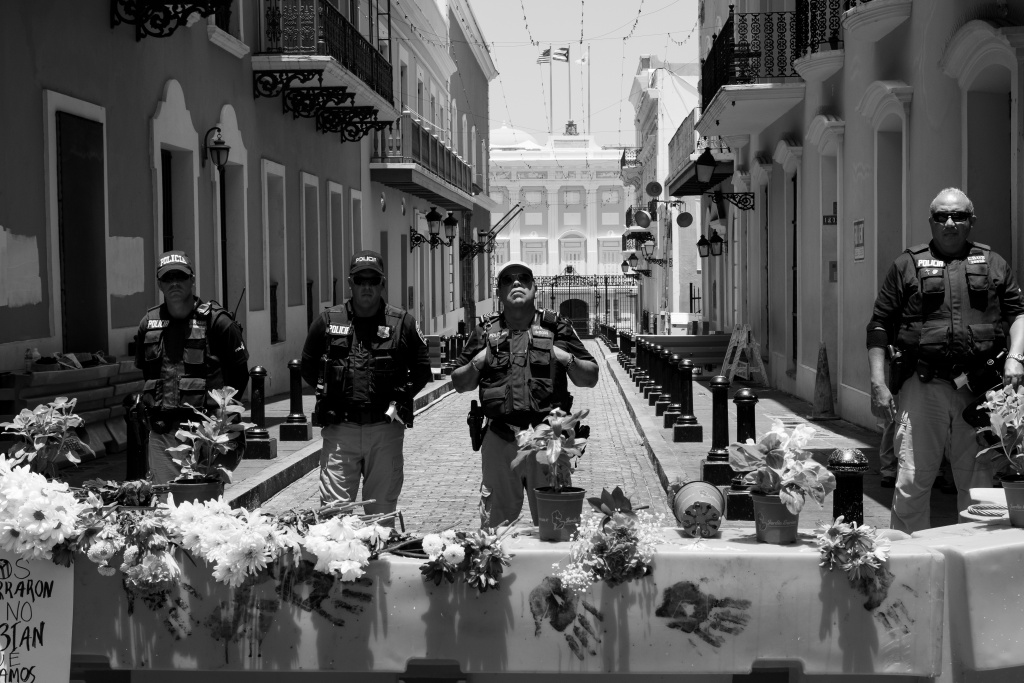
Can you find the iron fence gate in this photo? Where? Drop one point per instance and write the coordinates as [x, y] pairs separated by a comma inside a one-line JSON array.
[[590, 300]]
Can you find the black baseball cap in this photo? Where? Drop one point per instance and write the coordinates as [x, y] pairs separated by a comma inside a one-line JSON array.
[[174, 260], [366, 260]]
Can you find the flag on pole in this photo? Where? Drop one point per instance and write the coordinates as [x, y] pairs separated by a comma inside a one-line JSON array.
[[585, 58], [545, 56], [561, 54]]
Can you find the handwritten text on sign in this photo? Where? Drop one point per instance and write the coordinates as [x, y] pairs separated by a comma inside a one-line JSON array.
[[35, 633]]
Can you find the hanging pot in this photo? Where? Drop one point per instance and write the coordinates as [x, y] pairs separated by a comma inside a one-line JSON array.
[[1013, 487], [559, 513], [773, 521], [698, 507], [195, 491]]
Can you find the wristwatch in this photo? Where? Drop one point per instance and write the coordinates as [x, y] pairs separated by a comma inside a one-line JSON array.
[[1019, 357]]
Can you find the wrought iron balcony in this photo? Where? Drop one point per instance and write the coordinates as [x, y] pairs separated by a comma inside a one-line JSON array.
[[754, 47], [318, 28], [409, 142], [631, 170], [819, 24], [629, 157], [683, 143]]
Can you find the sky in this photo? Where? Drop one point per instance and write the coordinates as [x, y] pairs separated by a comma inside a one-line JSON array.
[[616, 32]]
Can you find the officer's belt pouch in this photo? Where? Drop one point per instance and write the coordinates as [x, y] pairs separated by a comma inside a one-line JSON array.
[[934, 342], [982, 339], [192, 390], [496, 401], [541, 389]]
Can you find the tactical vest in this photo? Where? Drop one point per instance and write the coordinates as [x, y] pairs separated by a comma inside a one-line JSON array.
[[521, 383], [938, 324], [174, 385], [359, 377]]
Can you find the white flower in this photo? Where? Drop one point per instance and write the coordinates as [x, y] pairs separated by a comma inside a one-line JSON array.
[[432, 545], [454, 554]]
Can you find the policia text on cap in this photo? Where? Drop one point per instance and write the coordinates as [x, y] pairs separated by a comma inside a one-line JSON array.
[[520, 359]]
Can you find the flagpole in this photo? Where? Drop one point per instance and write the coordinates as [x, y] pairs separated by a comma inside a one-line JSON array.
[[551, 100], [589, 130], [568, 70]]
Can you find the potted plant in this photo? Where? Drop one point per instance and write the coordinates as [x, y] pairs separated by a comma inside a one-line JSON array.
[[212, 444], [781, 475], [48, 435], [1005, 408], [554, 444]]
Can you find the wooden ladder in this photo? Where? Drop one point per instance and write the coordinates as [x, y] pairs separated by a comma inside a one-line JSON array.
[[744, 355]]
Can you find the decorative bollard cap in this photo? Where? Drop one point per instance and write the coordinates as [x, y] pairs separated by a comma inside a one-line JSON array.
[[848, 461]]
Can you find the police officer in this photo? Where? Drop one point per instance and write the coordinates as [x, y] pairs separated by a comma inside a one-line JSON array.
[[520, 360], [184, 347], [946, 306], [368, 361]]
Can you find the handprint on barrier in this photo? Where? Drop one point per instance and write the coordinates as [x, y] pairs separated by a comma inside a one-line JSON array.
[[551, 602], [702, 614], [300, 576]]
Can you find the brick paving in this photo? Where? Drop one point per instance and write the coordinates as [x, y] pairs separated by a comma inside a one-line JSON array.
[[442, 473]]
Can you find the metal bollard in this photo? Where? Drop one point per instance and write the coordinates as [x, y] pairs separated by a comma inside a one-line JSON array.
[[258, 444], [665, 375], [653, 393], [849, 466], [686, 428], [674, 407], [745, 400], [715, 469], [296, 427]]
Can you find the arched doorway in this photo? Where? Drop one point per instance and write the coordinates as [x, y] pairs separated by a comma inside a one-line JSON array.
[[578, 312]]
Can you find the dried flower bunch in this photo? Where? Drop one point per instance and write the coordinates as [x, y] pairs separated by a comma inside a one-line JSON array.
[[49, 434], [616, 548], [554, 444], [779, 465], [862, 553], [474, 556], [1005, 408], [211, 438]]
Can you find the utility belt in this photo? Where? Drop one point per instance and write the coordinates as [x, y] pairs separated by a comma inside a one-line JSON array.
[[979, 375], [167, 420], [361, 416]]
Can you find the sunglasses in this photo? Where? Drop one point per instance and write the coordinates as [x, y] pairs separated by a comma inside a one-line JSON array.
[[522, 278], [941, 217], [366, 281], [175, 276]]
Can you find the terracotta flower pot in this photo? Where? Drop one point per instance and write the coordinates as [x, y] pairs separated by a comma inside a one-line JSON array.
[[773, 521], [1013, 487], [197, 491], [559, 513]]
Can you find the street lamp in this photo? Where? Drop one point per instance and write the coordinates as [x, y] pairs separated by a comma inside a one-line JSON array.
[[218, 151], [451, 223], [716, 242], [705, 166], [703, 247], [434, 238]]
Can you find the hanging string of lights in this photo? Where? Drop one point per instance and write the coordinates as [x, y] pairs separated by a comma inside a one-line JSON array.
[[582, 12], [689, 35], [527, 24], [621, 77], [639, 11]]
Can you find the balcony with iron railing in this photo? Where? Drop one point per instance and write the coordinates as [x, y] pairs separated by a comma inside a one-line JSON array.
[[872, 20], [311, 43], [819, 38], [631, 169], [413, 157]]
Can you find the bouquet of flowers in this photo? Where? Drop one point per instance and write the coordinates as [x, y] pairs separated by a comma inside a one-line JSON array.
[[862, 553], [616, 548], [476, 556], [36, 515], [48, 434], [778, 464], [238, 543], [554, 444], [1006, 413], [343, 546], [211, 439]]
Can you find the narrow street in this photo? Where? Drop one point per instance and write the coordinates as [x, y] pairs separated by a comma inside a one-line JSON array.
[[442, 473]]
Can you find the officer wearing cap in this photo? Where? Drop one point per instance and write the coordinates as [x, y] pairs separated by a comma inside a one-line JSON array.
[[367, 361], [184, 347], [520, 359]]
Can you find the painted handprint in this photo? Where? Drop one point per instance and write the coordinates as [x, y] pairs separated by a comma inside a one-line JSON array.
[[691, 610], [551, 602]]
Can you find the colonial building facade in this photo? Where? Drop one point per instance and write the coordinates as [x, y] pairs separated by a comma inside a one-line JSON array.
[[109, 161], [843, 120]]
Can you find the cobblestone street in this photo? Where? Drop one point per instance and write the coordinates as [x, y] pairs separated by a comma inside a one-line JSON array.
[[442, 473]]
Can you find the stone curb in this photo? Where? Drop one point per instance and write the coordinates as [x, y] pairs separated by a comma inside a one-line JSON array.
[[254, 491]]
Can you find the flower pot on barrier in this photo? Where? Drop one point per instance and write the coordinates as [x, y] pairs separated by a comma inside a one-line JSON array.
[[1013, 488], [197, 491], [773, 521], [559, 513], [698, 508]]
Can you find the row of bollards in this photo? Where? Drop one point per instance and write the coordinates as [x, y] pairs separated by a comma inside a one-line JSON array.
[[451, 349], [666, 381]]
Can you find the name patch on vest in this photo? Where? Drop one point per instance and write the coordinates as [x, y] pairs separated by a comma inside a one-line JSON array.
[[977, 258], [539, 331], [157, 324], [931, 263], [337, 330]]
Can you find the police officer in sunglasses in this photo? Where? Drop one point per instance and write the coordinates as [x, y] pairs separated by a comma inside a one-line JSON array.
[[367, 360], [185, 347], [951, 311], [520, 359]]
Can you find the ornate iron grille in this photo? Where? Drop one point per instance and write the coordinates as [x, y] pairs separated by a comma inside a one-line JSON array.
[[589, 301], [819, 25]]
